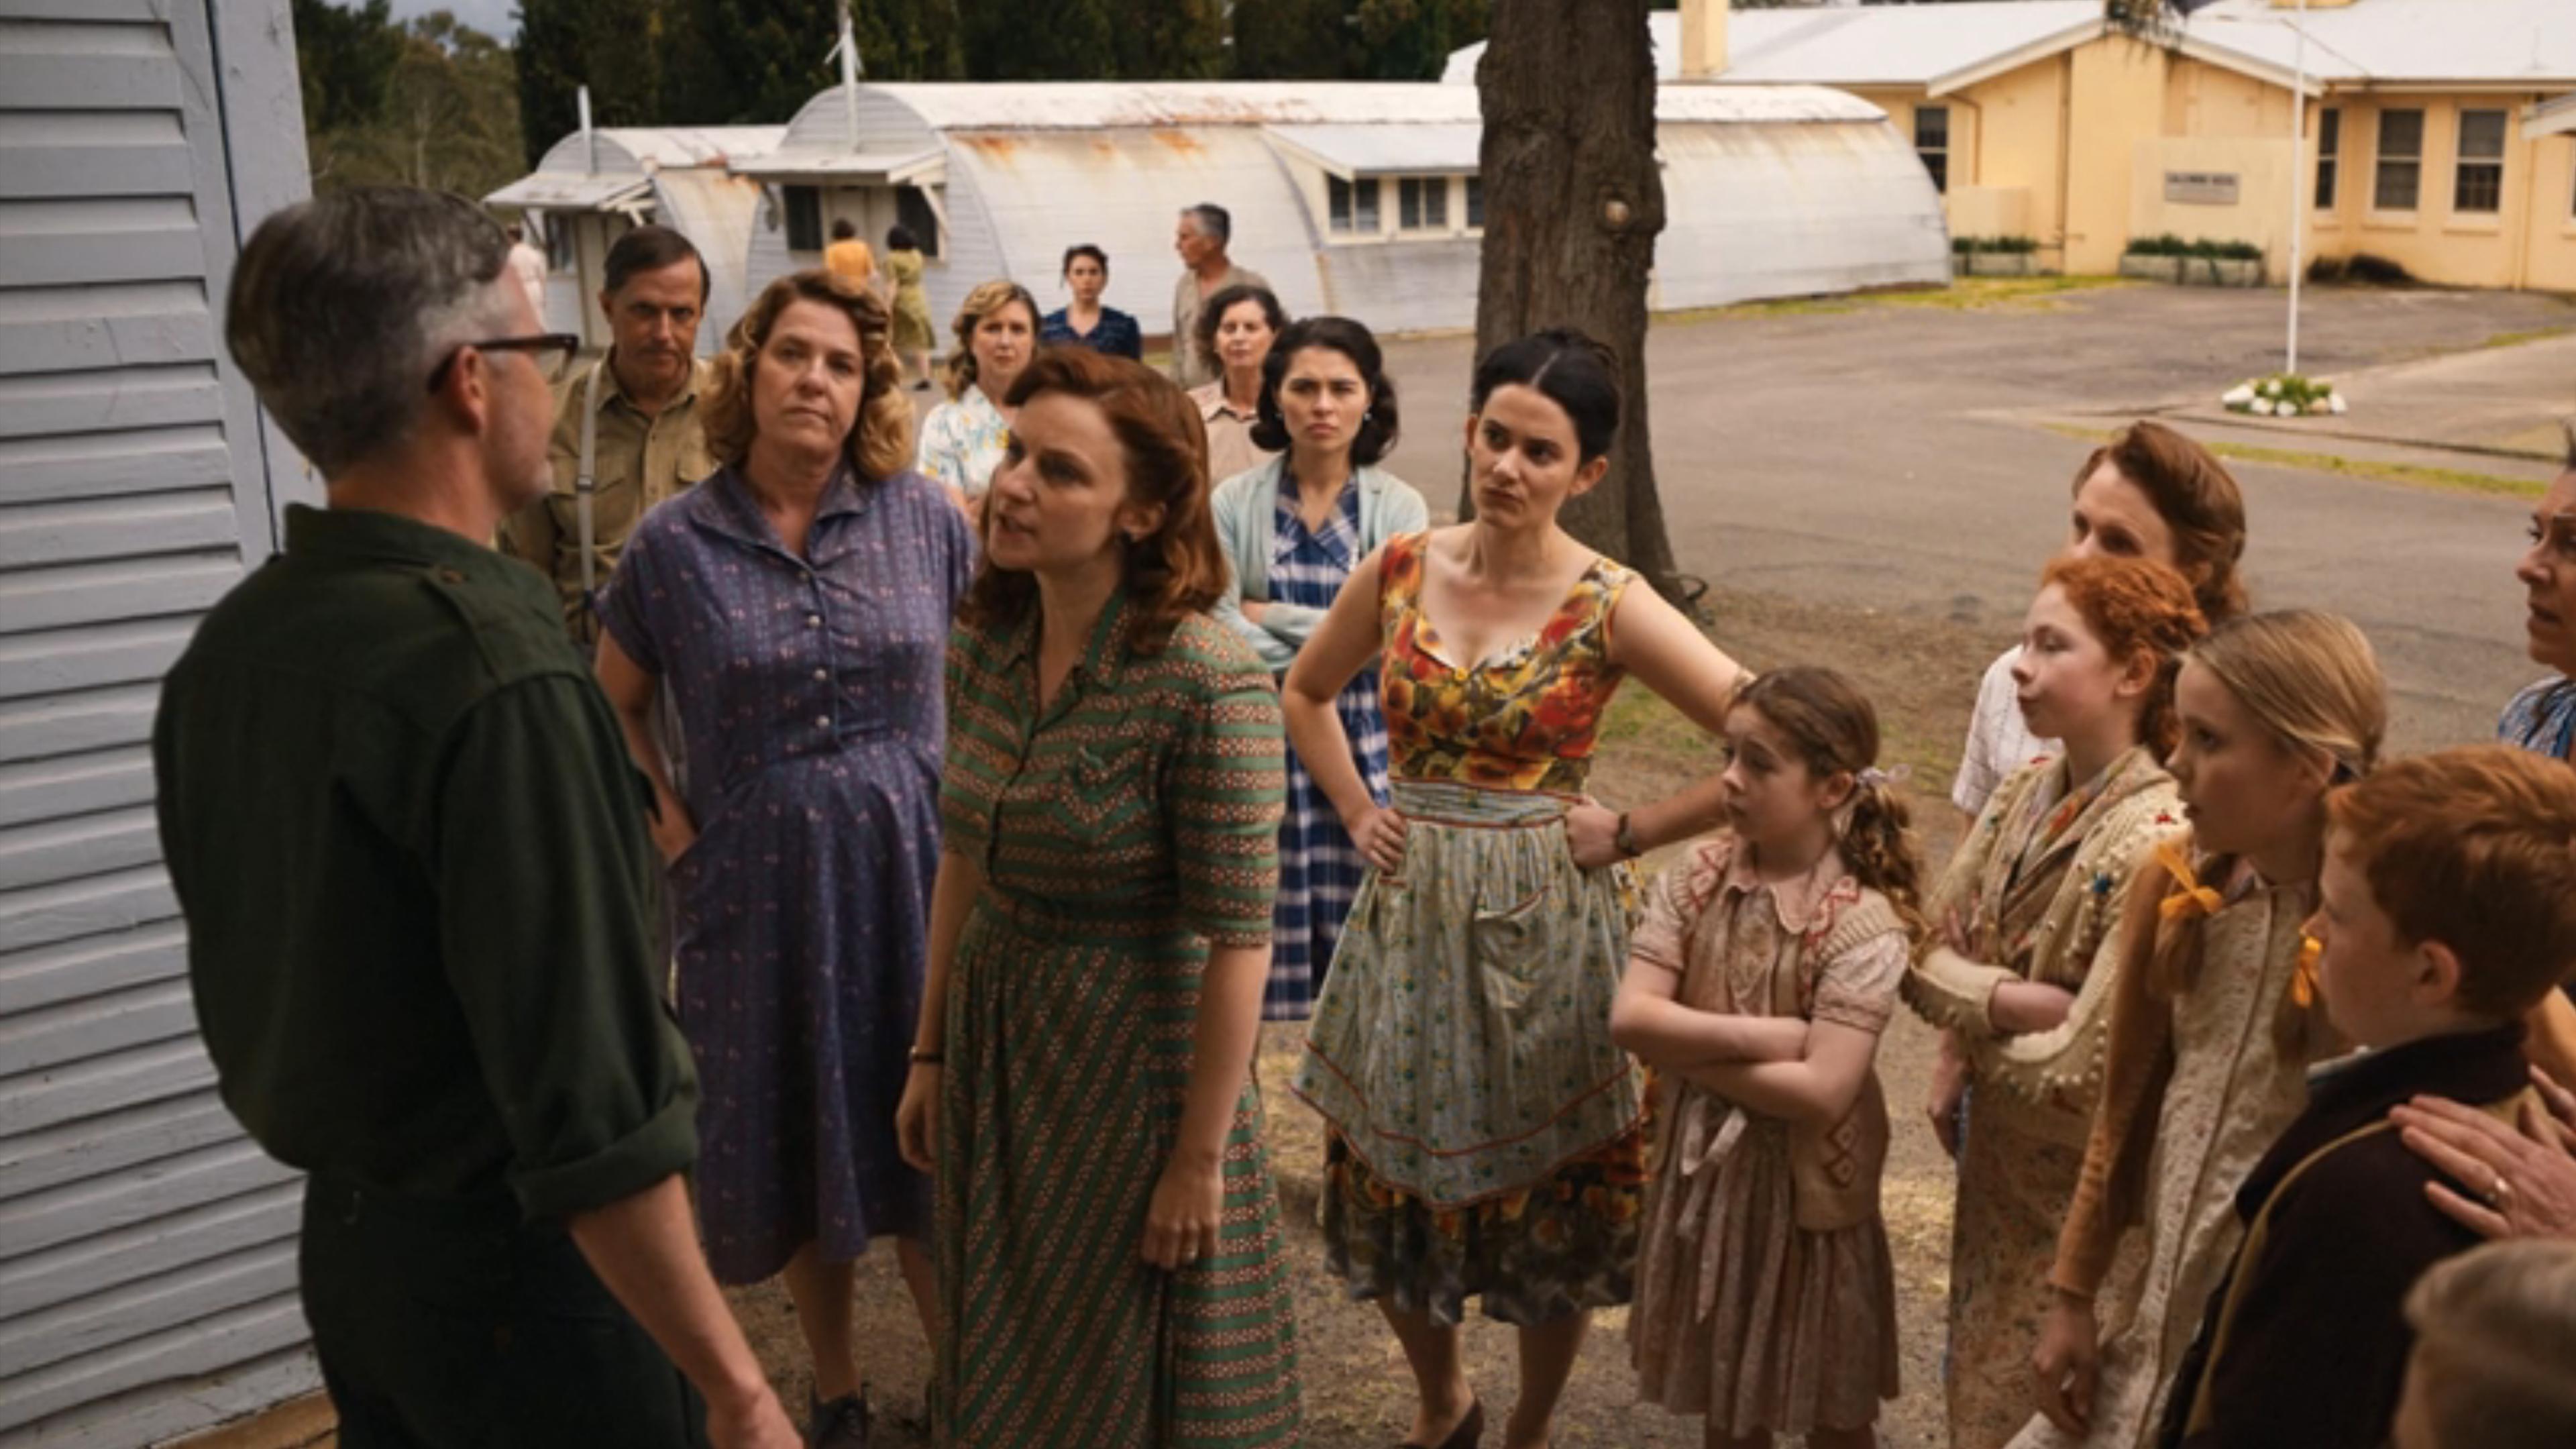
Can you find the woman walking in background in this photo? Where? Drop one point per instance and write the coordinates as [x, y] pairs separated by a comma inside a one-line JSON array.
[[914, 336], [1293, 529]]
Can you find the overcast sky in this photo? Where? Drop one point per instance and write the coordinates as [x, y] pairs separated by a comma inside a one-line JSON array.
[[492, 17]]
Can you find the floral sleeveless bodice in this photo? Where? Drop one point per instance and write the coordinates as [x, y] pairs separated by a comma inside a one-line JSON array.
[[1523, 720]]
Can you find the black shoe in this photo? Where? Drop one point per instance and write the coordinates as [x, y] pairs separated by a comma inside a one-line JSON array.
[[922, 386], [840, 1424], [1470, 1429]]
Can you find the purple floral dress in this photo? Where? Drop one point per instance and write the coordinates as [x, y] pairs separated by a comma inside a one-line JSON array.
[[809, 694]]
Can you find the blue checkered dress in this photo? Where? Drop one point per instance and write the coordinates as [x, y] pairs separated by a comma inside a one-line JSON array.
[[1319, 868]]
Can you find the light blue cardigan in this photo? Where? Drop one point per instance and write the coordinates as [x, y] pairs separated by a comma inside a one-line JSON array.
[[1246, 507]]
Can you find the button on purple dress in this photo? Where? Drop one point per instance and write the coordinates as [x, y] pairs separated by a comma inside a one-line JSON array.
[[809, 693]]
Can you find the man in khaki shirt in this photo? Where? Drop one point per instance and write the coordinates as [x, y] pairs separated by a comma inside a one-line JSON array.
[[1206, 270], [627, 423]]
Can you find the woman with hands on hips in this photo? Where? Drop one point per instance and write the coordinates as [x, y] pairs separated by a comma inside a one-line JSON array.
[[1485, 1133], [1111, 1266]]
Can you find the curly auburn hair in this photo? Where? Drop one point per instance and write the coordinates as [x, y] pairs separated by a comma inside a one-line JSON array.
[[1832, 726], [1176, 571], [2135, 606], [2198, 500], [2474, 847], [981, 303], [880, 441]]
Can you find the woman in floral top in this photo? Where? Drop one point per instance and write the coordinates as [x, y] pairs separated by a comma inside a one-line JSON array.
[[963, 438], [1486, 1135]]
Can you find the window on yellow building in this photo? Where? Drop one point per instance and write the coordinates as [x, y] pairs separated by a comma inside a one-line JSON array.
[[2401, 160], [1475, 202], [2479, 182], [1932, 143], [1422, 203], [2329, 152]]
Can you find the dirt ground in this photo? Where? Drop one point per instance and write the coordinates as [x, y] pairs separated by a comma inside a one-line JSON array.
[[1922, 676]]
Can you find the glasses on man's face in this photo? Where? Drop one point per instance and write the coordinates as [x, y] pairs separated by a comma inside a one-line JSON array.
[[552, 352]]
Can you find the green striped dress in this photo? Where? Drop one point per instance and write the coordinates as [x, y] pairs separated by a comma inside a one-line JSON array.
[[1121, 830]]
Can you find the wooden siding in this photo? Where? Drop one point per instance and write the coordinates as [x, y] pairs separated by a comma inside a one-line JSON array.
[[147, 1249]]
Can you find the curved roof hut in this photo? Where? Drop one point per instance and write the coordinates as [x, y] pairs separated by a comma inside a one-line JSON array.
[[593, 185], [1356, 198]]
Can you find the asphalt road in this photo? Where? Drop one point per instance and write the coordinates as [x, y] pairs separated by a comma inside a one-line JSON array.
[[1893, 458]]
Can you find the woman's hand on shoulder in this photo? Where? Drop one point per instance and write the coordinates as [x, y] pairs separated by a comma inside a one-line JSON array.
[[2504, 1183]]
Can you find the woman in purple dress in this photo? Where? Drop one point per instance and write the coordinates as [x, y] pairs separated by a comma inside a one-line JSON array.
[[796, 604]]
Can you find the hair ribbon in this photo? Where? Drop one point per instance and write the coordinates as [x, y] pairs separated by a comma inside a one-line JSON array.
[[2194, 899]]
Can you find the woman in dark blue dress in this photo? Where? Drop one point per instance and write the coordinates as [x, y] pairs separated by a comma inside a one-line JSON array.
[[1085, 323], [796, 604]]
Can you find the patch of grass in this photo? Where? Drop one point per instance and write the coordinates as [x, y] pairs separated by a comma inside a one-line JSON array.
[[2455, 480], [2516, 339], [1964, 294]]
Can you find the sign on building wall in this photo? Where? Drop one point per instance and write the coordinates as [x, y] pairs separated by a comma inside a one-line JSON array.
[[2201, 188]]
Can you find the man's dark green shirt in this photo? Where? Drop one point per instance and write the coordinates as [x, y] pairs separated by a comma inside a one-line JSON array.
[[401, 821]]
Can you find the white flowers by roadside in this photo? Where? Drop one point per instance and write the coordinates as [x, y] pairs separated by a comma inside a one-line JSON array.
[[2283, 395]]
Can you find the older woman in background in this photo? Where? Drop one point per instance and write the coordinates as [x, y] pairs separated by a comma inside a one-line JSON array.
[[963, 438], [1237, 329], [796, 606]]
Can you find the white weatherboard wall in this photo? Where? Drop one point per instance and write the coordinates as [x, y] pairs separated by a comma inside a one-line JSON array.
[[147, 1250]]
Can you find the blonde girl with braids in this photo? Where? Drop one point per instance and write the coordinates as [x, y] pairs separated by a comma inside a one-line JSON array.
[[2030, 901], [2213, 1025], [1757, 986]]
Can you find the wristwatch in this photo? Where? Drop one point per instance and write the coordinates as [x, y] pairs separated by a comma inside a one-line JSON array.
[[1626, 838]]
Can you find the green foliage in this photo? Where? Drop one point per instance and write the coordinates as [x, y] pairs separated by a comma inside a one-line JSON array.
[[1997, 245], [433, 103], [2169, 245], [1353, 39], [345, 58], [619, 48], [755, 62]]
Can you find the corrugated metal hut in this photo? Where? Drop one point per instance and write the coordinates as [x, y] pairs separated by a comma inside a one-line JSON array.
[[1358, 198], [147, 1249], [593, 185]]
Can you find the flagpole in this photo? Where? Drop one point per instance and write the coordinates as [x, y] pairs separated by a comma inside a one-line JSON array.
[[2298, 171]]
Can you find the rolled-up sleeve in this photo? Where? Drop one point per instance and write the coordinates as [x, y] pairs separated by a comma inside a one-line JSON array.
[[1231, 775], [546, 885]]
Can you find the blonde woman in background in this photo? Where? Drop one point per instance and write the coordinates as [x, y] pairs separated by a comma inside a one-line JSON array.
[[963, 439]]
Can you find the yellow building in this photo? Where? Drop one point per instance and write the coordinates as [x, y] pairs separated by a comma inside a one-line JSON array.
[[2430, 139]]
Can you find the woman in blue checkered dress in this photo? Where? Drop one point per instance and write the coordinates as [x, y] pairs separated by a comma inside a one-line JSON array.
[[1293, 528]]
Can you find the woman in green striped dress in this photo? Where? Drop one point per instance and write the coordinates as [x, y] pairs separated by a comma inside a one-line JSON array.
[[1107, 1235]]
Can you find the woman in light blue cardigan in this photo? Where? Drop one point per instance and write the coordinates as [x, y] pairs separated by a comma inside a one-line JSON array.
[[1293, 528]]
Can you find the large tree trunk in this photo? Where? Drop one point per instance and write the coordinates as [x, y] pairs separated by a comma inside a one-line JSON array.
[[1573, 202]]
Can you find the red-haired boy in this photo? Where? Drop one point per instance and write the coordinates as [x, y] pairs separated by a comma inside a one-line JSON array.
[[2447, 909]]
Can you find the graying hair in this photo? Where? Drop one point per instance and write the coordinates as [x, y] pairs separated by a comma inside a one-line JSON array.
[[1213, 221], [342, 305]]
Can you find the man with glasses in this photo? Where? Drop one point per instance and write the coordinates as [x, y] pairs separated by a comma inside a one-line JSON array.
[[627, 433], [399, 817]]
